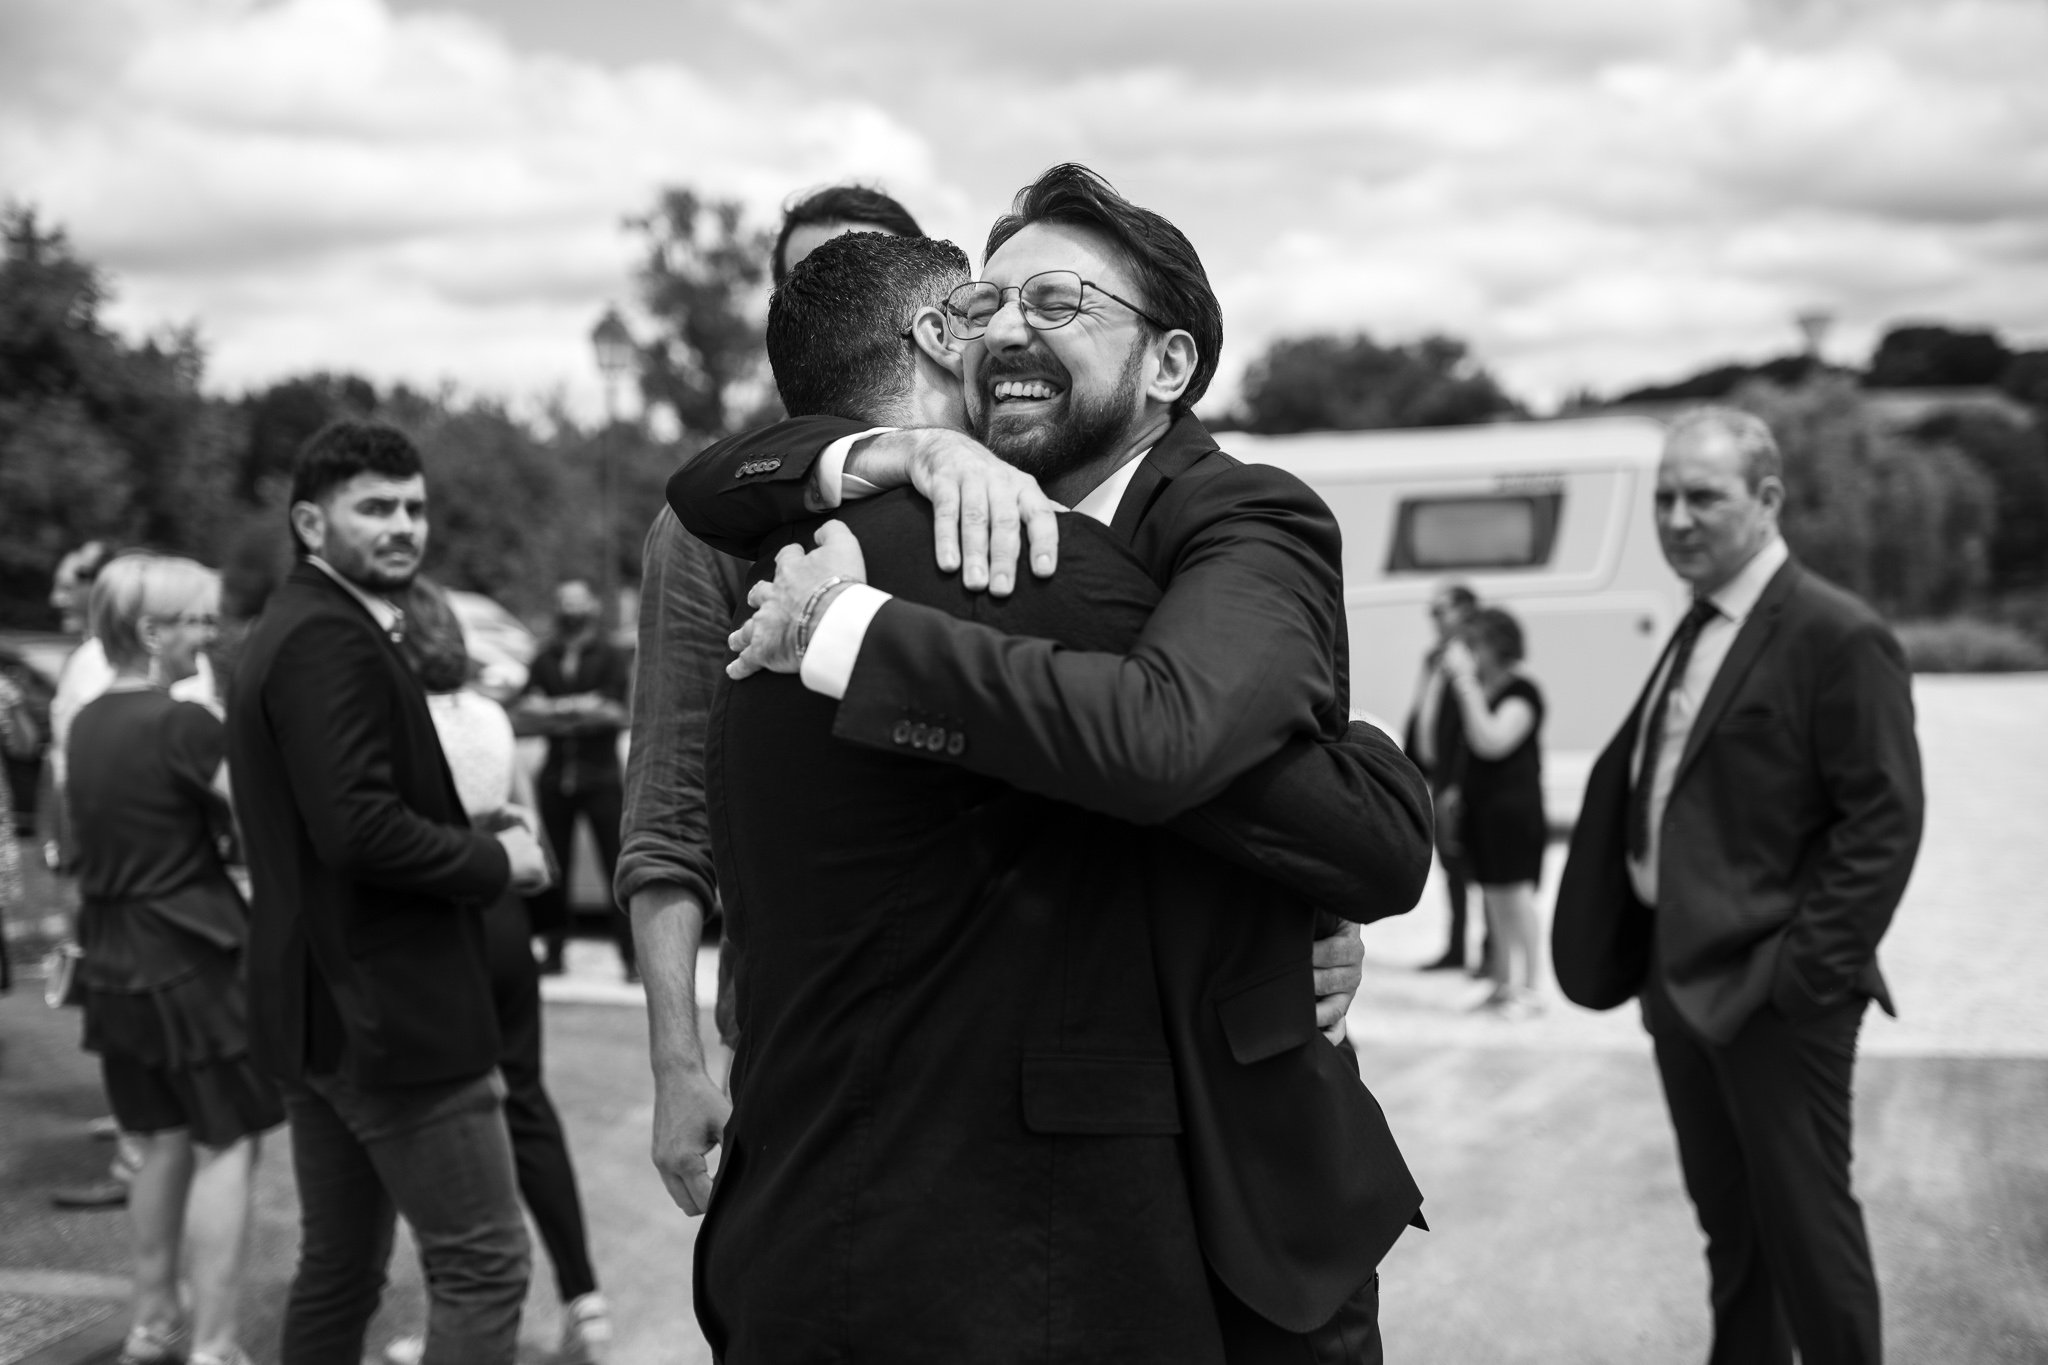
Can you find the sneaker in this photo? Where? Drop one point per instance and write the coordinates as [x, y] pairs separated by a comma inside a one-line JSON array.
[[406, 1350], [153, 1345], [586, 1330], [1521, 1003]]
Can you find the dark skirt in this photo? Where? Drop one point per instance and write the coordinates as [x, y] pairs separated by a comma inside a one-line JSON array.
[[167, 1010], [1504, 841]]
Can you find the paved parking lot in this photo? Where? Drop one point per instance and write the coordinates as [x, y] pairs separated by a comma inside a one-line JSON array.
[[1561, 1234]]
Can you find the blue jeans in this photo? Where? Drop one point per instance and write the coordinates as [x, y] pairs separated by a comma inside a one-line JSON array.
[[440, 1155]]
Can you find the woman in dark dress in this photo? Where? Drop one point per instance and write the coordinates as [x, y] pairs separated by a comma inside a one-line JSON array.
[[1503, 825], [162, 927]]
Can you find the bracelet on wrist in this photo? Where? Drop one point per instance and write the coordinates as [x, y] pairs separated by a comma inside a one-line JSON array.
[[804, 623]]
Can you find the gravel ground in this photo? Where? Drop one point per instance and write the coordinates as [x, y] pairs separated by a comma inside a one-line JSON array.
[[1561, 1233]]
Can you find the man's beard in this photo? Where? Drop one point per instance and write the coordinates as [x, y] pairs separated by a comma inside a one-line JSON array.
[[1050, 448], [360, 568]]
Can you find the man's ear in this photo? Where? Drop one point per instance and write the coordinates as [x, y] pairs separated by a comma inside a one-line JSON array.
[[928, 332], [1770, 491], [310, 521], [1173, 367]]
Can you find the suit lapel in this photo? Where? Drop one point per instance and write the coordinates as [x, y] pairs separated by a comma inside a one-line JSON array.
[[1749, 644], [1185, 442]]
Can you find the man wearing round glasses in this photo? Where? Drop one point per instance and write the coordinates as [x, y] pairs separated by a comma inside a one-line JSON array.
[[1082, 351]]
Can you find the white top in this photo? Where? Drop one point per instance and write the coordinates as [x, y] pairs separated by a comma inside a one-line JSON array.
[[1735, 601], [476, 735], [836, 640]]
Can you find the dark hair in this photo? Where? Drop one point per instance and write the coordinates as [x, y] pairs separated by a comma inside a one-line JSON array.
[[1169, 273], [341, 450], [836, 326], [1498, 631], [1459, 596], [841, 204], [433, 642]]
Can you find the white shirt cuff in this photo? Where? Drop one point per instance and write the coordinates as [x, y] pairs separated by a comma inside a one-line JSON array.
[[830, 483], [836, 640]]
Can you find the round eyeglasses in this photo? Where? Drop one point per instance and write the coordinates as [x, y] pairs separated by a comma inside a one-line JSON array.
[[1048, 300]]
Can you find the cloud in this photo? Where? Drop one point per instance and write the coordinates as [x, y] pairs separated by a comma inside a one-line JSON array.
[[1593, 192], [322, 183]]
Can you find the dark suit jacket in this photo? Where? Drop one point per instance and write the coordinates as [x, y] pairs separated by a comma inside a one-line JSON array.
[[1298, 1188], [1446, 767], [1791, 830], [366, 952]]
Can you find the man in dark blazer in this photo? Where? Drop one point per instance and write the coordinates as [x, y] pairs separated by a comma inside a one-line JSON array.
[[1744, 842], [1243, 655], [368, 989]]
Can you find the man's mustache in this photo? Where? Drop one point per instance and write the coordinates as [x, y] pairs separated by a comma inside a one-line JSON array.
[[996, 369]]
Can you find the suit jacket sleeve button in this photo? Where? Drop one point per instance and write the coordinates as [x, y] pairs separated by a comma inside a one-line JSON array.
[[918, 733], [956, 744], [936, 740], [901, 734]]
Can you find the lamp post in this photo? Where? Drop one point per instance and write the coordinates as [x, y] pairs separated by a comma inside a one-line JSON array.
[[616, 355]]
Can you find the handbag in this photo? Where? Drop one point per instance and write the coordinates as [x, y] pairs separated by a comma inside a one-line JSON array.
[[62, 983]]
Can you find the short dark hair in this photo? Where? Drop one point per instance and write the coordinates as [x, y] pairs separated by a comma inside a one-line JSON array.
[[341, 450], [1499, 631], [836, 326], [1169, 273], [1459, 596], [433, 642], [841, 204]]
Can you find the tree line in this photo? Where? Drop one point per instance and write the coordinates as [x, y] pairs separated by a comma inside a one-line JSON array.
[[106, 438]]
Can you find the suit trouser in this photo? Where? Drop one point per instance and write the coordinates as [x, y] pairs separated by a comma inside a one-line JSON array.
[[1352, 1337], [604, 806], [1763, 1126], [440, 1155], [540, 1152]]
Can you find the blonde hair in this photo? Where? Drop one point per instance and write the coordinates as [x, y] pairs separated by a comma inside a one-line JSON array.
[[136, 587]]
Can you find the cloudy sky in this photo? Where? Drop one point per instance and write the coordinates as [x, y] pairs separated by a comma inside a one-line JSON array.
[[1592, 192]]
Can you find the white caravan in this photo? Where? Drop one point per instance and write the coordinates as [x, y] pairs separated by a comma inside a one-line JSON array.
[[1550, 520]]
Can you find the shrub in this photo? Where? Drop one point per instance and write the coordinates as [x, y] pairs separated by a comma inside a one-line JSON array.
[[1965, 645]]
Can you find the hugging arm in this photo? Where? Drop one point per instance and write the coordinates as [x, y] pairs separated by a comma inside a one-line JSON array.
[[1233, 662]]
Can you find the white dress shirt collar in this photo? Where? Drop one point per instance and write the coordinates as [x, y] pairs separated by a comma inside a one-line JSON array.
[[388, 617], [1104, 499], [1737, 598]]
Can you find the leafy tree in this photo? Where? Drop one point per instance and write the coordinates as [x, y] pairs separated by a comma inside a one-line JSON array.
[[1712, 385], [98, 438], [2026, 379], [1899, 519], [1331, 383], [1924, 356], [702, 277], [2014, 457]]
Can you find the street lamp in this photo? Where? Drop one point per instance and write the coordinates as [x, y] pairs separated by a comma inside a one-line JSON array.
[[616, 358]]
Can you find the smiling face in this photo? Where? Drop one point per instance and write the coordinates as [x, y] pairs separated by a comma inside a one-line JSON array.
[[1710, 522], [372, 530], [1054, 402]]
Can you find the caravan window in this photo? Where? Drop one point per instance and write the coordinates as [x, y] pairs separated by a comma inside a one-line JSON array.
[[1492, 531]]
